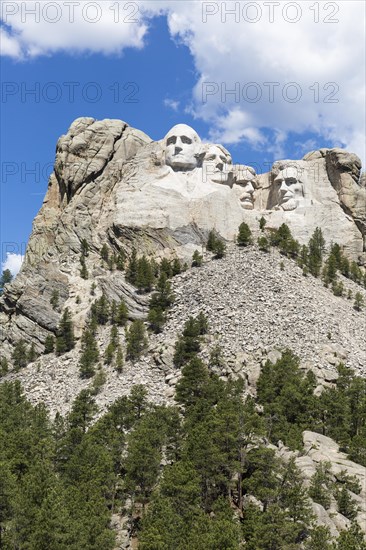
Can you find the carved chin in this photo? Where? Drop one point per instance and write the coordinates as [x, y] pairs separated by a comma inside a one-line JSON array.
[[289, 205]]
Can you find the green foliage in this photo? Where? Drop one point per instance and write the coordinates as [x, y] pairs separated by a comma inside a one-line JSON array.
[[316, 251], [287, 397], [156, 318], [100, 310], [121, 314], [215, 244], [351, 539], [89, 354], [244, 237], [119, 359], [19, 355], [359, 301], [163, 297], [104, 253], [32, 355], [136, 339], [141, 272], [99, 380], [188, 344], [54, 301], [346, 504], [197, 259], [4, 367], [322, 485], [338, 288], [144, 275], [84, 248], [49, 345], [65, 335], [84, 274], [6, 278], [121, 260], [263, 243], [262, 223]]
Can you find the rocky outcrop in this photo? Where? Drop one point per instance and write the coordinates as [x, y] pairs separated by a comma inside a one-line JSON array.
[[344, 173], [113, 185], [321, 449]]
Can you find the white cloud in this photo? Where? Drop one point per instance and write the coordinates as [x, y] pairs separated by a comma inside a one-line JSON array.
[[172, 104], [9, 45], [13, 262], [325, 65], [40, 28], [324, 59]]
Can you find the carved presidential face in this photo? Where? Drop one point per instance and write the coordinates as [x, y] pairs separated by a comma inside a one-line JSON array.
[[217, 164], [246, 199], [290, 190], [182, 146], [245, 177]]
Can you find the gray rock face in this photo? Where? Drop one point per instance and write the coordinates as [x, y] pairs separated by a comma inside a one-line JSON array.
[[112, 185]]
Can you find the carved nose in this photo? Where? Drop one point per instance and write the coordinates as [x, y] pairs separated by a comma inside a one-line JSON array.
[[177, 150], [220, 166], [249, 188], [283, 188]]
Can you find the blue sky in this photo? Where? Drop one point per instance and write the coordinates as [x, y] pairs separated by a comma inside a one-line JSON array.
[[176, 61]]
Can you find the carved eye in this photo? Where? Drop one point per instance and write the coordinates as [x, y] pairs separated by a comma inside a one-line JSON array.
[[210, 157], [290, 181], [171, 140], [186, 139]]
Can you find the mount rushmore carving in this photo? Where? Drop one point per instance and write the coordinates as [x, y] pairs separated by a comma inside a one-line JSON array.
[[113, 185], [113, 182]]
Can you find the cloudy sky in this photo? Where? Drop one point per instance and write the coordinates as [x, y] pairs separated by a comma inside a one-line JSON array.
[[267, 79]]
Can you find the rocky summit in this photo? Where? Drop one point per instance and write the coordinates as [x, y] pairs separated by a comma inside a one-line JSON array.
[[112, 185], [120, 205]]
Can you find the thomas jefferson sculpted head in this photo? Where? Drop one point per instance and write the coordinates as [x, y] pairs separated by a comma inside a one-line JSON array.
[[217, 164], [182, 146]]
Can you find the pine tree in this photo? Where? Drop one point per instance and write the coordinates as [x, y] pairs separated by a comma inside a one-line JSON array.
[[316, 250], [211, 241], [6, 278], [49, 345], [262, 223], [84, 274], [100, 310], [121, 260], [84, 248], [177, 267], [197, 259], [219, 248], [263, 243], [32, 355], [65, 338], [19, 355], [144, 275], [4, 367], [244, 237], [359, 301], [55, 299], [346, 504], [166, 268], [89, 354], [321, 486], [122, 314], [136, 339], [351, 539], [131, 273], [119, 359], [104, 253], [156, 318]]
